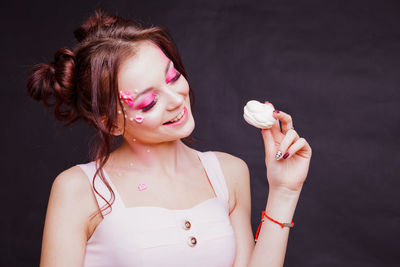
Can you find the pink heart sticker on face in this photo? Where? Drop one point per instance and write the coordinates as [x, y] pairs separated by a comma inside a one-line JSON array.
[[126, 97], [139, 118], [142, 186]]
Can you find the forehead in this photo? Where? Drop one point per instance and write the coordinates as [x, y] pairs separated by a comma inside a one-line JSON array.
[[138, 71]]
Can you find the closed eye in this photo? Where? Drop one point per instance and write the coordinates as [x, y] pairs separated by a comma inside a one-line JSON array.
[[149, 106], [177, 76]]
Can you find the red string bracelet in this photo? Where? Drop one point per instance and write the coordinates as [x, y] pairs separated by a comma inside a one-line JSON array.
[[264, 215]]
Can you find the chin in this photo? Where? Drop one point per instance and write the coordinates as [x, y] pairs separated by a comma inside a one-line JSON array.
[[187, 130], [191, 127]]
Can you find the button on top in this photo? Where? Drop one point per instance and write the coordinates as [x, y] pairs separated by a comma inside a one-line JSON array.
[[187, 225], [192, 241]]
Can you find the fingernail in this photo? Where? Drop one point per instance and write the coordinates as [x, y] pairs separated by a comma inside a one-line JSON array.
[[286, 155], [276, 111], [266, 102], [278, 155]]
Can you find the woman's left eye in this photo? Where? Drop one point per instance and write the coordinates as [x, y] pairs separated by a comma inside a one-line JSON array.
[[149, 106], [177, 76]]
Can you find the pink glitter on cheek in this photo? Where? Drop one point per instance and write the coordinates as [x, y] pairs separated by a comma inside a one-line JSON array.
[[126, 97], [170, 75]]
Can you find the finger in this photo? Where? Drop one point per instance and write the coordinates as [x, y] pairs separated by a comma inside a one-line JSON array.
[[269, 143], [301, 148], [290, 137], [276, 132], [275, 129], [286, 120]]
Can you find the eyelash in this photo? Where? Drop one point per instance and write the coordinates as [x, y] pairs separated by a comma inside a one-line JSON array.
[[148, 107], [178, 75]]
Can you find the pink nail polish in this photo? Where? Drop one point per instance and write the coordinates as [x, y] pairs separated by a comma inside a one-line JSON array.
[[266, 102]]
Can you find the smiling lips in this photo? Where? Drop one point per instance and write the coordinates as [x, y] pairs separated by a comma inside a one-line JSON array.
[[178, 118]]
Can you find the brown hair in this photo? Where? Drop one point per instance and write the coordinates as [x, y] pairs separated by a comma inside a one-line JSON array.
[[82, 84]]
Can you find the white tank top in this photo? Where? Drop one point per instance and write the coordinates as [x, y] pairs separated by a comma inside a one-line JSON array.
[[149, 236]]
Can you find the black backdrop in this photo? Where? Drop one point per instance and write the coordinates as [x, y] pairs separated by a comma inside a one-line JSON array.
[[332, 65]]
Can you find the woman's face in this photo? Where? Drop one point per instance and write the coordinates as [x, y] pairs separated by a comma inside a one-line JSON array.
[[153, 95]]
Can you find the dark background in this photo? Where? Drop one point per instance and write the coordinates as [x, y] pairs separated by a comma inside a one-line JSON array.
[[333, 65]]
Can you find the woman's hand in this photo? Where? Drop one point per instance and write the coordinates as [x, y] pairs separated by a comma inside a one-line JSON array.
[[289, 173]]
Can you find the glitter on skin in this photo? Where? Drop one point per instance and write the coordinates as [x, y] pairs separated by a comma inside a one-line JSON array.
[[126, 97]]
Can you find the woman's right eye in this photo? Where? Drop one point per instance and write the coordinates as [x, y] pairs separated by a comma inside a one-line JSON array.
[[149, 106]]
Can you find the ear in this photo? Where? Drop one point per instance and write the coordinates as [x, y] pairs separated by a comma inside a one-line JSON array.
[[116, 132], [118, 129], [121, 115]]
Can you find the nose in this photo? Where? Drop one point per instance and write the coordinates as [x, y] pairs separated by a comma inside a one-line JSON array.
[[175, 98]]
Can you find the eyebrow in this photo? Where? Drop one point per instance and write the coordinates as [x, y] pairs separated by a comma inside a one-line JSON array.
[[151, 88]]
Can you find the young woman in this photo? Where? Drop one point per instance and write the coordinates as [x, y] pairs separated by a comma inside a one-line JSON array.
[[154, 201]]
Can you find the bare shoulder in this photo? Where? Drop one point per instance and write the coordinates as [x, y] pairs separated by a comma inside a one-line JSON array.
[[232, 165], [65, 233], [71, 189], [236, 174], [73, 178], [72, 185]]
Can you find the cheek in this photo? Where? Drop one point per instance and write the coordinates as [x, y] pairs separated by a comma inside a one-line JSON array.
[[142, 120], [185, 87]]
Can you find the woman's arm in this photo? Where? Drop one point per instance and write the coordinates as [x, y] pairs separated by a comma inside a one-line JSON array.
[[237, 177], [65, 229], [270, 249], [286, 176]]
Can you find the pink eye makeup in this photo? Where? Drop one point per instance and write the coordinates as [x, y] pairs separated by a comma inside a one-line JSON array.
[[172, 75], [148, 102]]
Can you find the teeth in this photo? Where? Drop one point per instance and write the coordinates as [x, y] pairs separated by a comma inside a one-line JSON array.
[[177, 118]]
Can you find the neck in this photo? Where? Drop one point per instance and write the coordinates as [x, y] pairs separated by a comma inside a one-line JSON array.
[[169, 158]]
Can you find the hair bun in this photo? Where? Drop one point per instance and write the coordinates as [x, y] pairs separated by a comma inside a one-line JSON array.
[[64, 71], [54, 84], [100, 19]]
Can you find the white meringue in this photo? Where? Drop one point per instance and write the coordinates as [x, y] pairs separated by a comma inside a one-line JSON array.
[[258, 114]]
